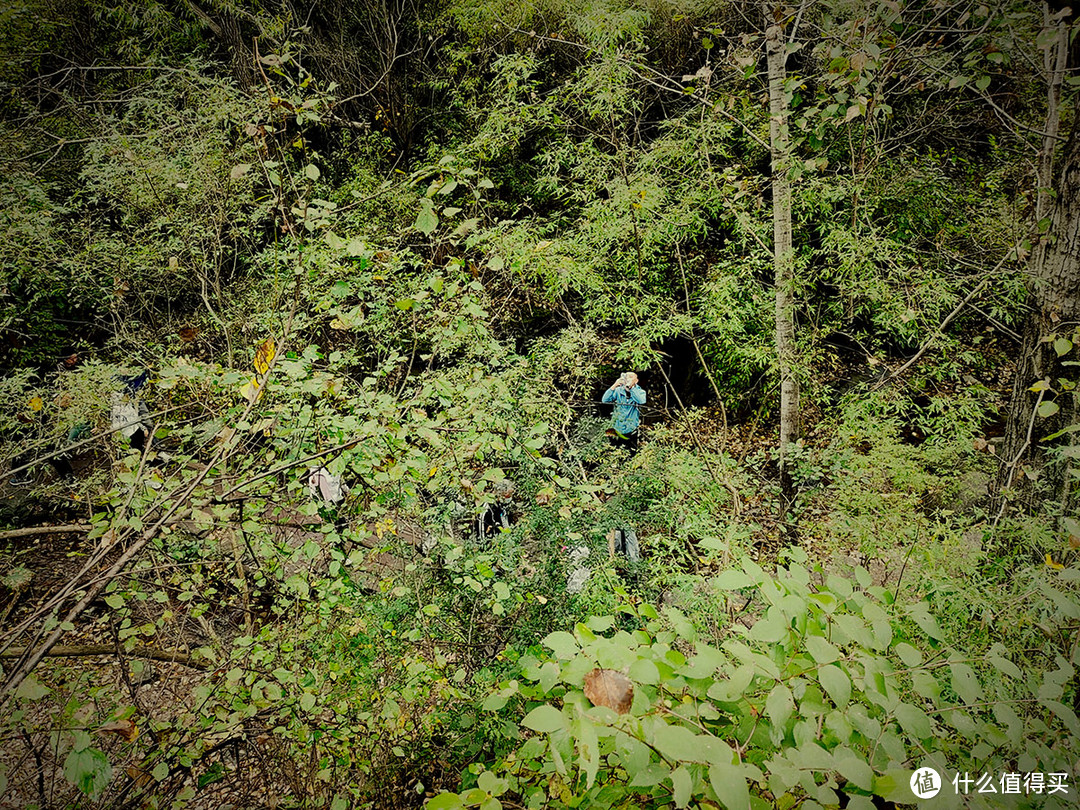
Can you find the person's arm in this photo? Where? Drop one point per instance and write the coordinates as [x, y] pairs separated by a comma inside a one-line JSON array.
[[609, 395], [637, 393]]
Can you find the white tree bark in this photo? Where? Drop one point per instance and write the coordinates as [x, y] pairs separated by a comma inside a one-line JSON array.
[[783, 254]]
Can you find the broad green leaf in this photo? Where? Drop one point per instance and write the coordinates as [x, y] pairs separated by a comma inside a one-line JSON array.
[[490, 783], [770, 629], [1003, 664], [1067, 716], [544, 719], [778, 706], [854, 768], [836, 682], [1048, 409], [914, 721], [311, 172], [908, 654], [926, 685], [445, 801], [31, 689], [644, 671], [89, 770], [548, 675], [920, 614], [821, 650], [426, 220], [563, 644], [1062, 346], [676, 742], [964, 683], [732, 580], [729, 784], [681, 783]]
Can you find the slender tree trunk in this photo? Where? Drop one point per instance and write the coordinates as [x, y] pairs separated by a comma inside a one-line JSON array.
[[1042, 379], [783, 255]]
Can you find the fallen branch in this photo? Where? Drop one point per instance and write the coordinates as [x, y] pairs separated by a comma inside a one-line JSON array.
[[65, 528], [59, 651]]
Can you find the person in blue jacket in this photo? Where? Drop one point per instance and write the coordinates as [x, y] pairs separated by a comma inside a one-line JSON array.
[[628, 397]]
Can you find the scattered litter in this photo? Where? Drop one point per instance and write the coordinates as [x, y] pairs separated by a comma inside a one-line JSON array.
[[624, 542], [579, 575], [129, 415], [325, 485]]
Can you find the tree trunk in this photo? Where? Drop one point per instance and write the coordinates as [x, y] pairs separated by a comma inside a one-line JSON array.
[[1042, 379], [783, 255]]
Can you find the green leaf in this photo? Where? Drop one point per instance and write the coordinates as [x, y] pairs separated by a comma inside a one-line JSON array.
[[821, 650], [677, 743], [426, 220], [1067, 716], [161, 771], [1003, 664], [563, 644], [729, 784], [1048, 409], [732, 580], [920, 614], [836, 683], [908, 654], [89, 770], [490, 783], [914, 721], [445, 801], [644, 671], [769, 630], [965, 684], [544, 719], [307, 701], [682, 783], [311, 172], [31, 689], [1062, 346], [778, 706], [926, 685], [854, 768]]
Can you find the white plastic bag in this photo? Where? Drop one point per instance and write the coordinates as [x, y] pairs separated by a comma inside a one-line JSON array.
[[324, 485]]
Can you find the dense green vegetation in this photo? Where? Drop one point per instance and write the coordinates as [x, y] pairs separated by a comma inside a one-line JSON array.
[[414, 244]]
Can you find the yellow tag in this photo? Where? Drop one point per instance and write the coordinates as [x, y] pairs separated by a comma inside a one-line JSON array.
[[264, 356]]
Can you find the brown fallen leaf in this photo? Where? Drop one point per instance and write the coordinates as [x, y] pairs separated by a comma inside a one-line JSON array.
[[140, 777], [121, 728], [606, 687]]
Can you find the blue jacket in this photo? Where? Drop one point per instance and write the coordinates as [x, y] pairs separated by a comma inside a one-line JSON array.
[[626, 417]]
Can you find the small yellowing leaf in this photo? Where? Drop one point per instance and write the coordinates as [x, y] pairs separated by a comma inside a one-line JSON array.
[[264, 356], [1055, 565], [340, 325], [251, 390], [36, 404]]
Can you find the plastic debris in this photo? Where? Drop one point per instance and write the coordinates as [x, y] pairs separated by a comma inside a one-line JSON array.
[[129, 415], [625, 542], [579, 575], [325, 485]]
